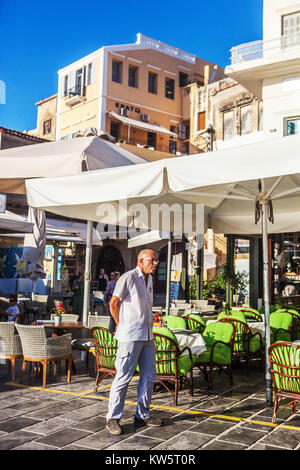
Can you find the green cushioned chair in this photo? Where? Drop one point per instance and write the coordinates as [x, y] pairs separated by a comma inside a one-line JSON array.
[[105, 353], [295, 332], [174, 322], [246, 345], [218, 337], [251, 313], [281, 325], [284, 359], [233, 314], [171, 365], [272, 308], [194, 322]]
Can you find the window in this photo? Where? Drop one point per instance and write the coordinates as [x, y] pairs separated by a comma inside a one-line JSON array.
[[152, 82], [227, 125], [170, 88], [292, 125], [89, 78], [116, 71], [115, 129], [79, 81], [291, 29], [201, 121], [151, 139], [172, 147], [133, 76], [66, 80], [183, 79], [246, 120], [47, 126]]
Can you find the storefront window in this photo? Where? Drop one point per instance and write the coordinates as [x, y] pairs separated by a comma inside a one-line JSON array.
[[286, 267]]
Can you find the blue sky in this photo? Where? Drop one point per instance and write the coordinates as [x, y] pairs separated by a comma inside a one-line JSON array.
[[37, 38]]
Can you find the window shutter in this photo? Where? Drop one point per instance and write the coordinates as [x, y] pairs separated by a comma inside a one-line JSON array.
[[72, 78], [93, 72]]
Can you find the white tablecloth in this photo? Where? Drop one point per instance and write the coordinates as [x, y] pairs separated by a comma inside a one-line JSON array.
[[191, 339]]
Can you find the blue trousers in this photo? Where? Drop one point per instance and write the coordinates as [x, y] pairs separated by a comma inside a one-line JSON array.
[[129, 354]]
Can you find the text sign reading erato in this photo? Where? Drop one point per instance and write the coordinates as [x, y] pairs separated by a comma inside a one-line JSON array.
[[130, 108]]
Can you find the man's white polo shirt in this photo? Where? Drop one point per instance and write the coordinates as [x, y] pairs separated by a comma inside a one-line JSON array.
[[135, 318]]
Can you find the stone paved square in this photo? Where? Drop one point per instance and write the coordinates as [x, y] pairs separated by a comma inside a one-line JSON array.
[[72, 417]]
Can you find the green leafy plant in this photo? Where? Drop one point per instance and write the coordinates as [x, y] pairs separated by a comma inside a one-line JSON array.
[[217, 286]]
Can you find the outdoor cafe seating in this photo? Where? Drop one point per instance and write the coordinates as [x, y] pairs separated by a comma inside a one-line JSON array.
[[172, 365], [218, 337], [39, 348], [284, 359], [10, 345]]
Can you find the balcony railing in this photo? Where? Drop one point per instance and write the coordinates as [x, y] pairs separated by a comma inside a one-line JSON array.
[[264, 49], [77, 90]]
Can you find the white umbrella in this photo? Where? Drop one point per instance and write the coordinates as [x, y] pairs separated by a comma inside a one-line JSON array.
[[63, 157], [261, 178], [11, 221], [34, 246]]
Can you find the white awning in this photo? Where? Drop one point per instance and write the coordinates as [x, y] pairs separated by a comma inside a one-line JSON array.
[[142, 125], [63, 230]]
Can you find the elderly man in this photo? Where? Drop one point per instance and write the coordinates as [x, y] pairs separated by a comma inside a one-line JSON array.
[[131, 308]]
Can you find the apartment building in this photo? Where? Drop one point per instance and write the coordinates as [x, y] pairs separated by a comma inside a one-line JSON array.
[[270, 68], [224, 114], [135, 92]]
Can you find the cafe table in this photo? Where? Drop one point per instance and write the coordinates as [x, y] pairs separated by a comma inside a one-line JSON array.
[[191, 339]]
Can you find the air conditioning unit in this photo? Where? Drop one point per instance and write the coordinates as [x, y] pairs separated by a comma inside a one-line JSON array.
[[145, 117], [124, 112]]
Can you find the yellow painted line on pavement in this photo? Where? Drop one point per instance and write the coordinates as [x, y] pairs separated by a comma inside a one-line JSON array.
[[160, 407]]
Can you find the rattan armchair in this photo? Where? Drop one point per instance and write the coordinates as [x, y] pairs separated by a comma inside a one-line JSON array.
[[171, 365], [284, 359], [37, 347], [105, 352], [67, 317], [10, 345]]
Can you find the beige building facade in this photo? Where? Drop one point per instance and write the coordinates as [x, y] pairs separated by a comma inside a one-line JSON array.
[[136, 92], [224, 114]]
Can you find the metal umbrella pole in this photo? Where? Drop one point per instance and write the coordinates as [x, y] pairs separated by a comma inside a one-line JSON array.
[[87, 272], [264, 205], [169, 265]]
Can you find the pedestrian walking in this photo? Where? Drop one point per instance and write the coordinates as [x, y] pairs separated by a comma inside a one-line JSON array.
[[131, 308], [103, 282], [109, 293], [78, 289]]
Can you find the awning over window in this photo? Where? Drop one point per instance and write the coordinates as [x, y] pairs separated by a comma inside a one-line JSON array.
[[141, 124]]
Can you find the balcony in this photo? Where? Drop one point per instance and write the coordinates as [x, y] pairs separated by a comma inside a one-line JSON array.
[[273, 48], [253, 62], [74, 95]]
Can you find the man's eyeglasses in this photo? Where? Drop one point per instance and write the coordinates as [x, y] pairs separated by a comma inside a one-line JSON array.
[[153, 260]]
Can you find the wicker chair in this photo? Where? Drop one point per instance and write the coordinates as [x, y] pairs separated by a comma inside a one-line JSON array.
[[284, 359], [10, 345], [105, 352], [246, 345], [218, 337], [251, 313], [38, 348], [171, 364], [194, 322]]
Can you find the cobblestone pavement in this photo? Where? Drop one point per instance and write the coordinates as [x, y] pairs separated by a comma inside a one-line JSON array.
[[71, 417]]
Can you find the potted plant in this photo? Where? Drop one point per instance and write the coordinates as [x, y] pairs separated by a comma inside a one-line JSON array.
[[59, 310]]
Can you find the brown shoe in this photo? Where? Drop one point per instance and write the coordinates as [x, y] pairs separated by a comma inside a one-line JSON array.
[[151, 422], [112, 425]]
